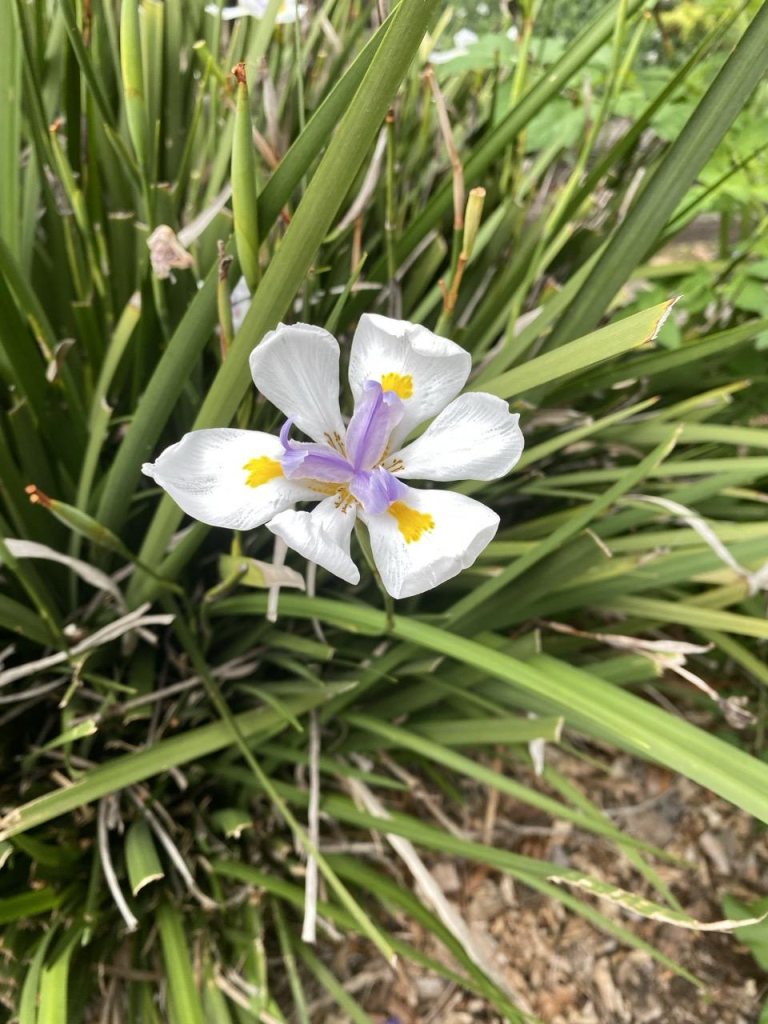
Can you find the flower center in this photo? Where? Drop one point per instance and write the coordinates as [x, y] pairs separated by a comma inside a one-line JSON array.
[[400, 383], [411, 523], [262, 470], [352, 468]]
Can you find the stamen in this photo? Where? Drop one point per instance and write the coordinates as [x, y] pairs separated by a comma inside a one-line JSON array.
[[411, 523], [340, 444], [344, 500]]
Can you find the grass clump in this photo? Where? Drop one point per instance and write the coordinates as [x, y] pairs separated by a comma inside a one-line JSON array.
[[177, 766]]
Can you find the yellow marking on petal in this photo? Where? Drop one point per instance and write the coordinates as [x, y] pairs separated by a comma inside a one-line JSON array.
[[400, 383], [262, 470], [411, 523]]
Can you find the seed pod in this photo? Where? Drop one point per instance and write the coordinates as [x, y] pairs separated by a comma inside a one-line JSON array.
[[472, 220], [78, 521], [244, 202], [141, 857]]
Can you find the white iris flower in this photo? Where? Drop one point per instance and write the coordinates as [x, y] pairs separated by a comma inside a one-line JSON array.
[[400, 375], [462, 41], [289, 11]]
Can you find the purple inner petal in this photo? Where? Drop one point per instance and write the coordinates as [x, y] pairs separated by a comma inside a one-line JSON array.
[[376, 490], [315, 461], [322, 464], [285, 430], [376, 415]]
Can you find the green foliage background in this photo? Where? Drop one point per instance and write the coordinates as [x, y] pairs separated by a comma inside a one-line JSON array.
[[159, 732]]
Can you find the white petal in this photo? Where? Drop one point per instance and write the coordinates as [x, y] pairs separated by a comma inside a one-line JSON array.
[[297, 369], [475, 438], [206, 474], [291, 11], [227, 13], [465, 37], [447, 532], [321, 535], [430, 370], [241, 303], [444, 56]]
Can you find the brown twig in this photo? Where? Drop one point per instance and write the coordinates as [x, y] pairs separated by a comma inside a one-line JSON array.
[[453, 155]]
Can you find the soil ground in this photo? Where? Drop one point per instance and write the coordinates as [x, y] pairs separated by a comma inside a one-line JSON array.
[[563, 968]]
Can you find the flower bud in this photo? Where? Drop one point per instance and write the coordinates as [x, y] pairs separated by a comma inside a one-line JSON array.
[[78, 521], [244, 198], [472, 219]]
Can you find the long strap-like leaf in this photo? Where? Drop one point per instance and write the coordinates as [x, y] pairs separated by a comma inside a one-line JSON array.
[[586, 702]]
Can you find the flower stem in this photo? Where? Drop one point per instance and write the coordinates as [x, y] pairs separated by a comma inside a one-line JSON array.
[[365, 546]]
